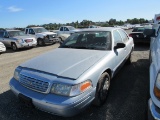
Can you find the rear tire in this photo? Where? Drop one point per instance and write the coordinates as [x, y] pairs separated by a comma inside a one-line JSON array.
[[14, 47], [102, 89]]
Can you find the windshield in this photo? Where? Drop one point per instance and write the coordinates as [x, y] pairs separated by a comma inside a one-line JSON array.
[[141, 29], [40, 30], [89, 40], [16, 33], [138, 29], [71, 28]]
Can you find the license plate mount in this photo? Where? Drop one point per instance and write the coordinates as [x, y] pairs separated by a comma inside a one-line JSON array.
[[25, 100]]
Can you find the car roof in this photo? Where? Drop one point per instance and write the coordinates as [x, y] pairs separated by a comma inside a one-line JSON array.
[[12, 30], [98, 29], [66, 26], [35, 27]]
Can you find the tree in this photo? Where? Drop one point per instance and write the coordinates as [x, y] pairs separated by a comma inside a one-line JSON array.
[[112, 21]]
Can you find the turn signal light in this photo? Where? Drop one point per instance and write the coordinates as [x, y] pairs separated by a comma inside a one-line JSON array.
[[86, 85], [157, 92]]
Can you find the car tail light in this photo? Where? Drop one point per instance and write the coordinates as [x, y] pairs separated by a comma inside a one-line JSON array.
[[130, 35]]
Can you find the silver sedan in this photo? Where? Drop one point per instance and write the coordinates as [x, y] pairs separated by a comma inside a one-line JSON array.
[[16, 39], [66, 80]]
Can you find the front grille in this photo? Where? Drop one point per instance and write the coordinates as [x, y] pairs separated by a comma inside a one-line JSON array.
[[28, 40], [51, 36], [33, 83]]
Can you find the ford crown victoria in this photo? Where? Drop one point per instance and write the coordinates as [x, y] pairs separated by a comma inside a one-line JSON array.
[[66, 80]]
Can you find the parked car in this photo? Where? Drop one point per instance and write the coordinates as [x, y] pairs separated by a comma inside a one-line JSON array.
[[16, 39], [2, 48], [65, 31], [66, 80], [42, 35], [139, 36], [154, 71], [94, 26]]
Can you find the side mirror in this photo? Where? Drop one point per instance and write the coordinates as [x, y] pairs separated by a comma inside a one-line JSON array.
[[119, 45], [150, 32]]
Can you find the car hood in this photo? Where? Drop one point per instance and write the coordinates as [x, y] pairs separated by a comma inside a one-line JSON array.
[[75, 30], [65, 62], [24, 37], [46, 33]]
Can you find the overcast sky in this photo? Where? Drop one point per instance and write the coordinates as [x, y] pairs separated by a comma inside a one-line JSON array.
[[20, 13]]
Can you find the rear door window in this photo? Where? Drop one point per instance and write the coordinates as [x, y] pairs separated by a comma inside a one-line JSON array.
[[31, 31], [66, 29]]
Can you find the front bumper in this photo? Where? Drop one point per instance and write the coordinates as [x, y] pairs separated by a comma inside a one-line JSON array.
[[26, 45], [2, 49], [55, 104], [153, 111], [53, 40]]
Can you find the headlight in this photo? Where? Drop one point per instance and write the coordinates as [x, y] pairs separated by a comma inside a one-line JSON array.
[[157, 86], [16, 73], [19, 41], [70, 90]]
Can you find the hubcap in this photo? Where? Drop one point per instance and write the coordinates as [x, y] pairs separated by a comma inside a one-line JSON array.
[[40, 42], [14, 47]]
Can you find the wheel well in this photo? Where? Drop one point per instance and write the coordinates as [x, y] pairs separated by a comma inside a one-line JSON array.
[[60, 38], [39, 39], [12, 43], [109, 72]]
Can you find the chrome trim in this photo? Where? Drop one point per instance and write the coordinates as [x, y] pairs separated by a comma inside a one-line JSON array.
[[35, 84]]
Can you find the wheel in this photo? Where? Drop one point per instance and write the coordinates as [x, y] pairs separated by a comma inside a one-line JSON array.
[[41, 42], [129, 60], [60, 40], [102, 89], [14, 47]]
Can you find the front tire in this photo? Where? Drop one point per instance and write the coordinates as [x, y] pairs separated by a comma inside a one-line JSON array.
[[14, 47], [102, 89], [60, 40], [40, 42]]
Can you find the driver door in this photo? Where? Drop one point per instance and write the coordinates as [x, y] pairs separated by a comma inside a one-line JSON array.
[[120, 53]]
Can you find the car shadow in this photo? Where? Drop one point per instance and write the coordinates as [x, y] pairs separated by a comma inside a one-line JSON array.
[[127, 99], [9, 50], [141, 47]]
